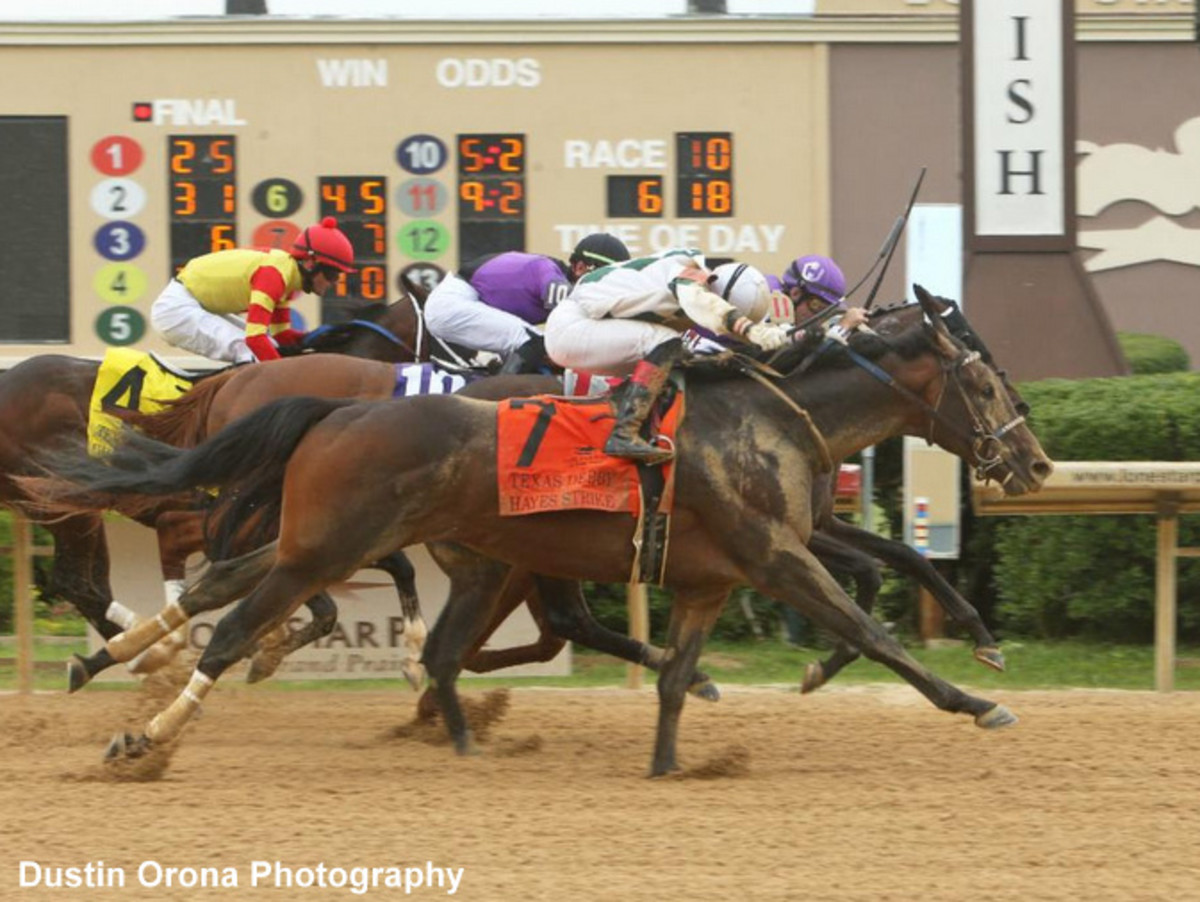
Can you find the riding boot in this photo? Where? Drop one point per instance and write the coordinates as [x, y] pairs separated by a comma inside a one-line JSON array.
[[635, 399], [528, 358]]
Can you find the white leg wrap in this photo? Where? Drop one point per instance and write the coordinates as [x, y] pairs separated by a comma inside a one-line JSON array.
[[125, 645], [173, 589], [167, 723], [120, 615]]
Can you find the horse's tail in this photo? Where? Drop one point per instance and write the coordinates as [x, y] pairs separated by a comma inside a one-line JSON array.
[[142, 472], [183, 421]]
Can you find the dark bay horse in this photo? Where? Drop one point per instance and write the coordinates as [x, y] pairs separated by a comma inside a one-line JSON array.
[[357, 480], [44, 404]]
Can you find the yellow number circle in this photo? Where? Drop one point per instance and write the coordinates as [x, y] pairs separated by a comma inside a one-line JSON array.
[[120, 283]]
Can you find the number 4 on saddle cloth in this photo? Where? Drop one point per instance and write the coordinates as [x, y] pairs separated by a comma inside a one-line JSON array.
[[550, 457], [129, 380]]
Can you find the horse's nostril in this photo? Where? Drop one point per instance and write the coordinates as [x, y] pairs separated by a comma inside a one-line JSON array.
[[1043, 468]]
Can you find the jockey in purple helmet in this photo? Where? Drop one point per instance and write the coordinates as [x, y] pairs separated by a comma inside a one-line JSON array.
[[815, 283]]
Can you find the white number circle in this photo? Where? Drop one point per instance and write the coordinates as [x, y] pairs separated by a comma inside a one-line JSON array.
[[118, 198]]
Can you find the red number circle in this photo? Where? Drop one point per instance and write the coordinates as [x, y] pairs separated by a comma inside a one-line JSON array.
[[277, 233], [116, 155]]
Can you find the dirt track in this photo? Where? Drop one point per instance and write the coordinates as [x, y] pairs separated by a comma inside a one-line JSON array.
[[850, 794]]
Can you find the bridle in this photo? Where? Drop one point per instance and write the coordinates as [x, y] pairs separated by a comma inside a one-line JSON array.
[[986, 445]]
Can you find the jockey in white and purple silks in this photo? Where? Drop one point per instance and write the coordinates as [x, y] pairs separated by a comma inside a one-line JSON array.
[[495, 303]]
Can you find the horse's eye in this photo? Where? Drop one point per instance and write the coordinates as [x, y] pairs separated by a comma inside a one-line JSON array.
[[989, 392]]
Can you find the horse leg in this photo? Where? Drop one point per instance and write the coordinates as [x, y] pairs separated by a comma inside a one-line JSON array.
[[793, 575], [693, 614], [79, 573], [566, 613], [907, 561], [475, 594], [284, 640], [223, 581], [279, 593], [180, 535], [400, 569], [841, 559]]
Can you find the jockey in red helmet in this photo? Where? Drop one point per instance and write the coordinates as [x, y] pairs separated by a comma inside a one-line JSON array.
[[199, 309]]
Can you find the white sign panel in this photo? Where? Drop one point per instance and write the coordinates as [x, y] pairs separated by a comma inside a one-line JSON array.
[[1019, 157]]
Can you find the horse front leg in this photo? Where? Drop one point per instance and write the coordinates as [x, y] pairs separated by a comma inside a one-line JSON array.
[[278, 595], [794, 576], [843, 560], [693, 614], [916, 566], [400, 569]]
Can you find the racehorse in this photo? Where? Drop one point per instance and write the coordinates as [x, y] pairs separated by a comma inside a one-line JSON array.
[[357, 480], [217, 402], [44, 403]]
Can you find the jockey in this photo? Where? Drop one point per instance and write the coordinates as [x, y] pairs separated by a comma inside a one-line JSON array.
[[815, 283], [627, 318], [494, 302], [198, 310]]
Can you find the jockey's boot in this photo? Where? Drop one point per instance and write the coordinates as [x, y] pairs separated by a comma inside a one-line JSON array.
[[526, 359], [634, 401]]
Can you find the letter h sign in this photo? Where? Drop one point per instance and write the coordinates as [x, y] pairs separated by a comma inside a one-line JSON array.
[[1018, 123]]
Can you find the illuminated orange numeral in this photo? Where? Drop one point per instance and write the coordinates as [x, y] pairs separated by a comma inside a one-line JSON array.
[[510, 160], [649, 197], [184, 153], [715, 197], [379, 242], [373, 283], [510, 203], [467, 150], [339, 286], [372, 193], [185, 198], [228, 199], [222, 157], [472, 193], [220, 237], [334, 193], [718, 154]]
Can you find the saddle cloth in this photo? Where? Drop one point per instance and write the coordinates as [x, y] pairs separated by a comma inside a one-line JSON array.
[[549, 457], [131, 380]]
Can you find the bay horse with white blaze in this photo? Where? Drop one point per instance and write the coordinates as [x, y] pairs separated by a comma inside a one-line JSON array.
[[358, 480]]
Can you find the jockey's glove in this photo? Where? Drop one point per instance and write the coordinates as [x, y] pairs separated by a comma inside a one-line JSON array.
[[768, 336]]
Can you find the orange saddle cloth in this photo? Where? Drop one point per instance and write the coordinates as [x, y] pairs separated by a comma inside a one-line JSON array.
[[550, 457]]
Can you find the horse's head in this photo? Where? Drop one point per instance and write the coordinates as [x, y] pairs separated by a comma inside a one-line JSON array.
[[972, 409], [393, 333]]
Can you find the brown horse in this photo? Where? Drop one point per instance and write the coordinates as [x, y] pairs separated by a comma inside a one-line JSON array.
[[358, 480], [44, 404]]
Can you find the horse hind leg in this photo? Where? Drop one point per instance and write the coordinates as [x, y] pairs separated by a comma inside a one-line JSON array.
[[284, 640], [839, 558]]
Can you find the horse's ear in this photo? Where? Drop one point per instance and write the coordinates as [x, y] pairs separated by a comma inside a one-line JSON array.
[[933, 310]]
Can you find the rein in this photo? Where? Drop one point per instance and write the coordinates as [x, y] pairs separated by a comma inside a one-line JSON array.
[[979, 439]]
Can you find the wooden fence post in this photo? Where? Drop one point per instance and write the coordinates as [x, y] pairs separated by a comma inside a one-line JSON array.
[[638, 605], [23, 600]]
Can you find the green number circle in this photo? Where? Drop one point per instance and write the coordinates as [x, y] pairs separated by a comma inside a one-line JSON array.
[[423, 239], [120, 326], [120, 283]]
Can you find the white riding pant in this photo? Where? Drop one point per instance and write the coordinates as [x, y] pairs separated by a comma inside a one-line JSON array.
[[454, 312], [184, 323], [609, 347]]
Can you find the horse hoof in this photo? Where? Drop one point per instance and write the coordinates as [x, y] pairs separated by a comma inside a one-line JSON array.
[[77, 674], [465, 746], [707, 690], [125, 746], [415, 674], [990, 656], [262, 666], [814, 678], [995, 718]]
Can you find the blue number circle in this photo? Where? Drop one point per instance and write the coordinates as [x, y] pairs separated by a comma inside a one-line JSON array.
[[421, 154], [119, 241]]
